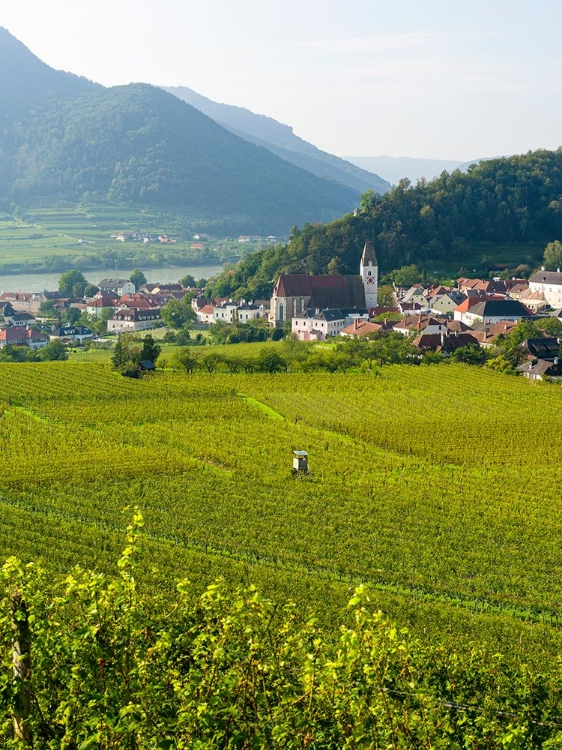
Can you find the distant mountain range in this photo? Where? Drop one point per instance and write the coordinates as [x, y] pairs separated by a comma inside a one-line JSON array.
[[280, 139], [395, 168], [65, 137]]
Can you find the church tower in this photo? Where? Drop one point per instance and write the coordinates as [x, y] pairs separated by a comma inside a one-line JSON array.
[[369, 272]]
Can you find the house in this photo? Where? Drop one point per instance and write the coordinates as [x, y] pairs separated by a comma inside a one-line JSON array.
[[248, 311], [419, 323], [489, 335], [227, 312], [6, 308], [18, 336], [72, 334], [20, 319], [445, 302], [117, 286], [549, 284], [95, 305], [295, 293], [129, 321], [361, 327], [206, 314], [28, 302], [445, 343], [417, 294], [541, 369], [543, 348], [489, 309], [318, 325]]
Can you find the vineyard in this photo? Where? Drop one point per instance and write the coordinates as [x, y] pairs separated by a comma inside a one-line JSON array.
[[437, 487]]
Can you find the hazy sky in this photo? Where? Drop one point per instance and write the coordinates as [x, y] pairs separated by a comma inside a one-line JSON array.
[[456, 79]]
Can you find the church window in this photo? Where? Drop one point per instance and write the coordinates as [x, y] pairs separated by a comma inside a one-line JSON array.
[[280, 312]]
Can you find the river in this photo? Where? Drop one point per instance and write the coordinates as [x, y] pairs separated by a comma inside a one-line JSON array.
[[38, 282]]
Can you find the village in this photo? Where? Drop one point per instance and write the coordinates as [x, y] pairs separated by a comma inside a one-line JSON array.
[[475, 313]]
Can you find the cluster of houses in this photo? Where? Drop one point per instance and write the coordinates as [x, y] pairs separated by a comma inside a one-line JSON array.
[[131, 311], [437, 318]]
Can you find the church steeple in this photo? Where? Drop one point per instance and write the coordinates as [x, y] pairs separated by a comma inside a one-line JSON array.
[[369, 256], [369, 271]]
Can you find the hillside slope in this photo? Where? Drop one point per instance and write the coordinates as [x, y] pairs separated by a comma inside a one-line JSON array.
[[282, 141]]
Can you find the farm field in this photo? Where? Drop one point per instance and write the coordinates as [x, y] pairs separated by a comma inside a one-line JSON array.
[[53, 238], [439, 487]]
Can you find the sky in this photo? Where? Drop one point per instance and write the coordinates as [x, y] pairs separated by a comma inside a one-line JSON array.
[[456, 79]]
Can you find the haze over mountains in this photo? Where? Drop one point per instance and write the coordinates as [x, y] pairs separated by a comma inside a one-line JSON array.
[[65, 137], [395, 168], [281, 140]]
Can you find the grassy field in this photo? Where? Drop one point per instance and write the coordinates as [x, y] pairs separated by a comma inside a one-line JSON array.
[[433, 485], [56, 237]]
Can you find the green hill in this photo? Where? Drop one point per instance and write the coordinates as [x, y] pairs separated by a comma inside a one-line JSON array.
[[67, 138], [501, 210]]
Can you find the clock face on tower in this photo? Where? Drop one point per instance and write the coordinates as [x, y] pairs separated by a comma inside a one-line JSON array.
[[370, 280]]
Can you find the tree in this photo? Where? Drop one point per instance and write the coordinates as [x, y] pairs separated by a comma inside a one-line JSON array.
[[270, 361], [186, 359], [334, 267], [187, 281], [176, 313], [55, 350], [47, 309], [137, 277], [553, 255], [72, 281], [406, 275], [71, 315], [470, 355], [150, 349], [385, 296]]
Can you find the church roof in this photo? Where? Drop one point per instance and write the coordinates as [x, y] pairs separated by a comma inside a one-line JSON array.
[[369, 256], [323, 291]]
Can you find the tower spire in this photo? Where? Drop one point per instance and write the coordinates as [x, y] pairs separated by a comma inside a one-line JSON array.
[[369, 256]]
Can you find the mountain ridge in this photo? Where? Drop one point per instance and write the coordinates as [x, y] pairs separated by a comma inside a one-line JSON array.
[[66, 137]]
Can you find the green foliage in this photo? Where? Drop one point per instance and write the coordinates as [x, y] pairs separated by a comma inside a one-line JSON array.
[[55, 350], [420, 487], [553, 255], [137, 277], [469, 355], [72, 284], [71, 315], [177, 313], [47, 309], [113, 668], [150, 349], [188, 281]]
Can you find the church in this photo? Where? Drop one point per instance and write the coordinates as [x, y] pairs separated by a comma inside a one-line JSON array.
[[295, 293]]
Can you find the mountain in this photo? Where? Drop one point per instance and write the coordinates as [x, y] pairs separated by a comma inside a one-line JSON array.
[[280, 139], [28, 84], [64, 137], [395, 168]]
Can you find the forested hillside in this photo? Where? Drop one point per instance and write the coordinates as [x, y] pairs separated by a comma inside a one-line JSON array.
[[66, 138], [454, 220]]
